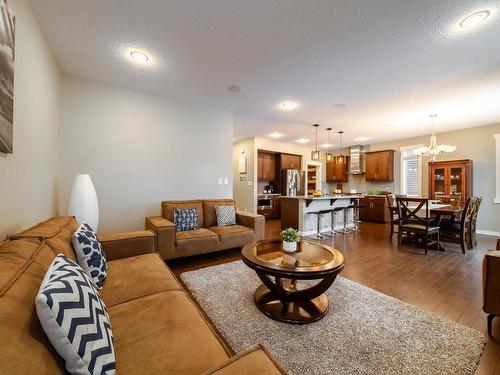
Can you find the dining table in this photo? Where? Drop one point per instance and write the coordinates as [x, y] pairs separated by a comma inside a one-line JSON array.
[[439, 210]]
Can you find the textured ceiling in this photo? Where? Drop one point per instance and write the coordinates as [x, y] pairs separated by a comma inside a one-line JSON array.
[[393, 62]]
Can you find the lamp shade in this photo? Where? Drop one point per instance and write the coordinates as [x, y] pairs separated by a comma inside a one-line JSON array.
[[82, 201]]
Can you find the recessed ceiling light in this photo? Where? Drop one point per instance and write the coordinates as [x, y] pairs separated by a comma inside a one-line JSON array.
[[235, 88], [386, 125], [326, 145], [340, 105], [139, 56], [287, 106], [302, 140], [276, 135], [362, 139], [474, 19]]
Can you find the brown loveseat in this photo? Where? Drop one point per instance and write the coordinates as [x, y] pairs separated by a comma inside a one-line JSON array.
[[209, 237], [157, 328]]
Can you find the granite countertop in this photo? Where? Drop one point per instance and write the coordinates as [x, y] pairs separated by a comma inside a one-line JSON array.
[[329, 196]]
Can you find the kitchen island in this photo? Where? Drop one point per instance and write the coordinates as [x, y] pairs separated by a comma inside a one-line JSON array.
[[295, 212]]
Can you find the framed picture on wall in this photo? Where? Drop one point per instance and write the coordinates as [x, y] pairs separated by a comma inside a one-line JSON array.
[[7, 38]]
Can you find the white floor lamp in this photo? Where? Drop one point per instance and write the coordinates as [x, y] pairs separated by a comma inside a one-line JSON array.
[[83, 202]]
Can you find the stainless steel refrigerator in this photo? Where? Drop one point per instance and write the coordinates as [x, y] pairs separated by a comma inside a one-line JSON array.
[[292, 182]]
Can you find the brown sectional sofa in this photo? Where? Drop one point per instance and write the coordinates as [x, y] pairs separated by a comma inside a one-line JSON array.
[[209, 237], [157, 328]]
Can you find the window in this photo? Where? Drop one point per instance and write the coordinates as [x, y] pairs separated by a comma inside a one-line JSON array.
[[411, 171]]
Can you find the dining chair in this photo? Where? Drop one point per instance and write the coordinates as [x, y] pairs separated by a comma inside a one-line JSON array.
[[414, 219], [473, 222], [455, 200], [459, 231], [439, 196], [393, 212]]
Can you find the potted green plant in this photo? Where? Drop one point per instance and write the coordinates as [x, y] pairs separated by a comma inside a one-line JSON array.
[[290, 237]]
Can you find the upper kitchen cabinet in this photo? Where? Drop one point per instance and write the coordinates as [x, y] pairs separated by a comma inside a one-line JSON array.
[[337, 172], [266, 167], [288, 161], [380, 166], [448, 178]]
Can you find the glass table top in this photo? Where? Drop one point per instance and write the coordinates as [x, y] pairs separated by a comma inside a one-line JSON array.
[[309, 256]]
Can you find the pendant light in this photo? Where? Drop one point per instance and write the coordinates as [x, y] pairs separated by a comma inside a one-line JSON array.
[[434, 149], [315, 152], [340, 159], [329, 155]]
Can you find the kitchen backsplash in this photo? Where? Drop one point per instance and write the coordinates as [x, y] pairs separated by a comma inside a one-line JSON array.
[[358, 183]]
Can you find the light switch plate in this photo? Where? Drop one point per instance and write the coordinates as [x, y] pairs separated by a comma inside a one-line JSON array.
[[226, 180], [219, 180]]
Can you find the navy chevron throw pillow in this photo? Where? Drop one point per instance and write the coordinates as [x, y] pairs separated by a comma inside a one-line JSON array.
[[90, 254], [75, 319]]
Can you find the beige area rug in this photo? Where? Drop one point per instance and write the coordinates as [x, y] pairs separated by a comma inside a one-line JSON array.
[[364, 332]]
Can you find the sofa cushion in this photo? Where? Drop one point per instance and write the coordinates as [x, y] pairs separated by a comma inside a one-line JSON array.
[[209, 214], [90, 254], [57, 233], [196, 242], [24, 347], [256, 360], [167, 208], [185, 219], [226, 215], [233, 235], [164, 333], [75, 319], [134, 277]]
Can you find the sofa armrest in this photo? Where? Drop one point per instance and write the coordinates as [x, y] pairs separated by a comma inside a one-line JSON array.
[[165, 235], [256, 361], [254, 221], [491, 282], [128, 244]]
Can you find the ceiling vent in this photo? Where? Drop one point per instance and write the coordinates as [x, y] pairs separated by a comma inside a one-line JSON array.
[[357, 157]]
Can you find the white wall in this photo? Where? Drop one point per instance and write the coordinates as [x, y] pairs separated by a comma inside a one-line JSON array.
[[28, 176], [141, 149], [244, 184]]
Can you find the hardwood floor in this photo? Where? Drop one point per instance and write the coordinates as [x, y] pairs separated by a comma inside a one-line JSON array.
[[446, 283]]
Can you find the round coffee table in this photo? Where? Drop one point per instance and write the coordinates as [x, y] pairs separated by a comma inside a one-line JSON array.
[[290, 297]]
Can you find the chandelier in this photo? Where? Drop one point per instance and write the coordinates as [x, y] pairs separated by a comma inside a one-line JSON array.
[[434, 149]]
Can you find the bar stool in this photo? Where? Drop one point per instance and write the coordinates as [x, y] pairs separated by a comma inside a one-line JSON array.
[[335, 211], [318, 234], [355, 205]]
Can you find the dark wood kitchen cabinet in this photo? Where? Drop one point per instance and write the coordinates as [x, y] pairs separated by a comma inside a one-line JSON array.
[[380, 166], [373, 208], [337, 172], [266, 167], [289, 161]]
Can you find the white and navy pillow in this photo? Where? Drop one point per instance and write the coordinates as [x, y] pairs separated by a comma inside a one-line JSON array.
[[226, 215], [90, 254], [75, 319], [185, 219]]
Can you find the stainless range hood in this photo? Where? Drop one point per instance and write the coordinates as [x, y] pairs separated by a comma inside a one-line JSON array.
[[357, 160]]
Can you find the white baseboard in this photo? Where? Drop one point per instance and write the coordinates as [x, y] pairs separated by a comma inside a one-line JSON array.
[[488, 233]]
